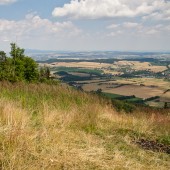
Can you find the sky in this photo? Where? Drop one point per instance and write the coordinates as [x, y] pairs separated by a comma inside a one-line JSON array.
[[86, 25]]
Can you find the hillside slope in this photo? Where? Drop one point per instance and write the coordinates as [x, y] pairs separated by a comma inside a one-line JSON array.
[[54, 127]]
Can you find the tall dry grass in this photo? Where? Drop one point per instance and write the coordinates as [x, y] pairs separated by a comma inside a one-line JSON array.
[[53, 127]]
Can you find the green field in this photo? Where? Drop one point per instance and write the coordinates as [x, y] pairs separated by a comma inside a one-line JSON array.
[[78, 70]]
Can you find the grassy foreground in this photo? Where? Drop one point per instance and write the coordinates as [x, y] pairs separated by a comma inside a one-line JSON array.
[[54, 127]]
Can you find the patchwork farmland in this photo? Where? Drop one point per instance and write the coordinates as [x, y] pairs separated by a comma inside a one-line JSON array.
[[147, 81]]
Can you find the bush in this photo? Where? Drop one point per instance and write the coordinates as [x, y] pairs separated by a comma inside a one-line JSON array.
[[123, 106]]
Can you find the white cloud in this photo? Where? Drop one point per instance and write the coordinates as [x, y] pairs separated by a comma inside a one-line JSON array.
[[152, 31], [125, 25], [133, 29], [95, 9], [163, 15], [5, 2], [131, 25], [113, 26], [34, 26], [115, 33]]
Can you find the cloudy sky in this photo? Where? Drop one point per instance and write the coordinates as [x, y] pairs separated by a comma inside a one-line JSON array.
[[125, 25]]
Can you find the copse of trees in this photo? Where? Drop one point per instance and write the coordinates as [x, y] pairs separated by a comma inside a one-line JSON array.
[[19, 67]]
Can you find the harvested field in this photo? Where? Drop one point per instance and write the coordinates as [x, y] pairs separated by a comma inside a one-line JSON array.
[[126, 90], [139, 91], [165, 97], [129, 87], [136, 65], [160, 83], [81, 65]]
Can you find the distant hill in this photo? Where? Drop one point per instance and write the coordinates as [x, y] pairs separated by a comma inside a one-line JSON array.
[[50, 54], [34, 51]]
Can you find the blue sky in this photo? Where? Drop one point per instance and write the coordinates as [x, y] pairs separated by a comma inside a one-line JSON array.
[[125, 25]]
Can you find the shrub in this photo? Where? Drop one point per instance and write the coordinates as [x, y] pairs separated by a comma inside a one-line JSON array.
[[123, 106]]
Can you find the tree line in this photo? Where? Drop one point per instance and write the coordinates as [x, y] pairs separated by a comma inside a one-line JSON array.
[[19, 67]]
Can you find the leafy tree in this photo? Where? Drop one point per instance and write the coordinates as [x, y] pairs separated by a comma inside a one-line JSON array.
[[47, 72], [44, 72], [16, 52], [19, 67], [5, 66], [3, 56], [30, 69]]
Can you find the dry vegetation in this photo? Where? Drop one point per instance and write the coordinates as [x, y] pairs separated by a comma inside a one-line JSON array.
[[139, 91], [51, 127], [136, 65], [79, 65], [159, 83]]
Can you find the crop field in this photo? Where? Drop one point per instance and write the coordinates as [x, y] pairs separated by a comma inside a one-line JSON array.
[[74, 70], [151, 82], [139, 91], [120, 78], [81, 64], [125, 90], [136, 65], [114, 69], [148, 87]]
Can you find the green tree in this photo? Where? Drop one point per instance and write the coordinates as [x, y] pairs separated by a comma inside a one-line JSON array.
[[30, 69], [19, 67], [6, 67], [44, 72], [3, 60], [16, 52], [47, 72], [3, 56]]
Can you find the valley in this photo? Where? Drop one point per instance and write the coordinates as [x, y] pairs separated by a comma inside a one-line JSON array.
[[140, 79]]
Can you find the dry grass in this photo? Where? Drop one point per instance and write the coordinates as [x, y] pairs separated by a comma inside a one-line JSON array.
[[51, 127]]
